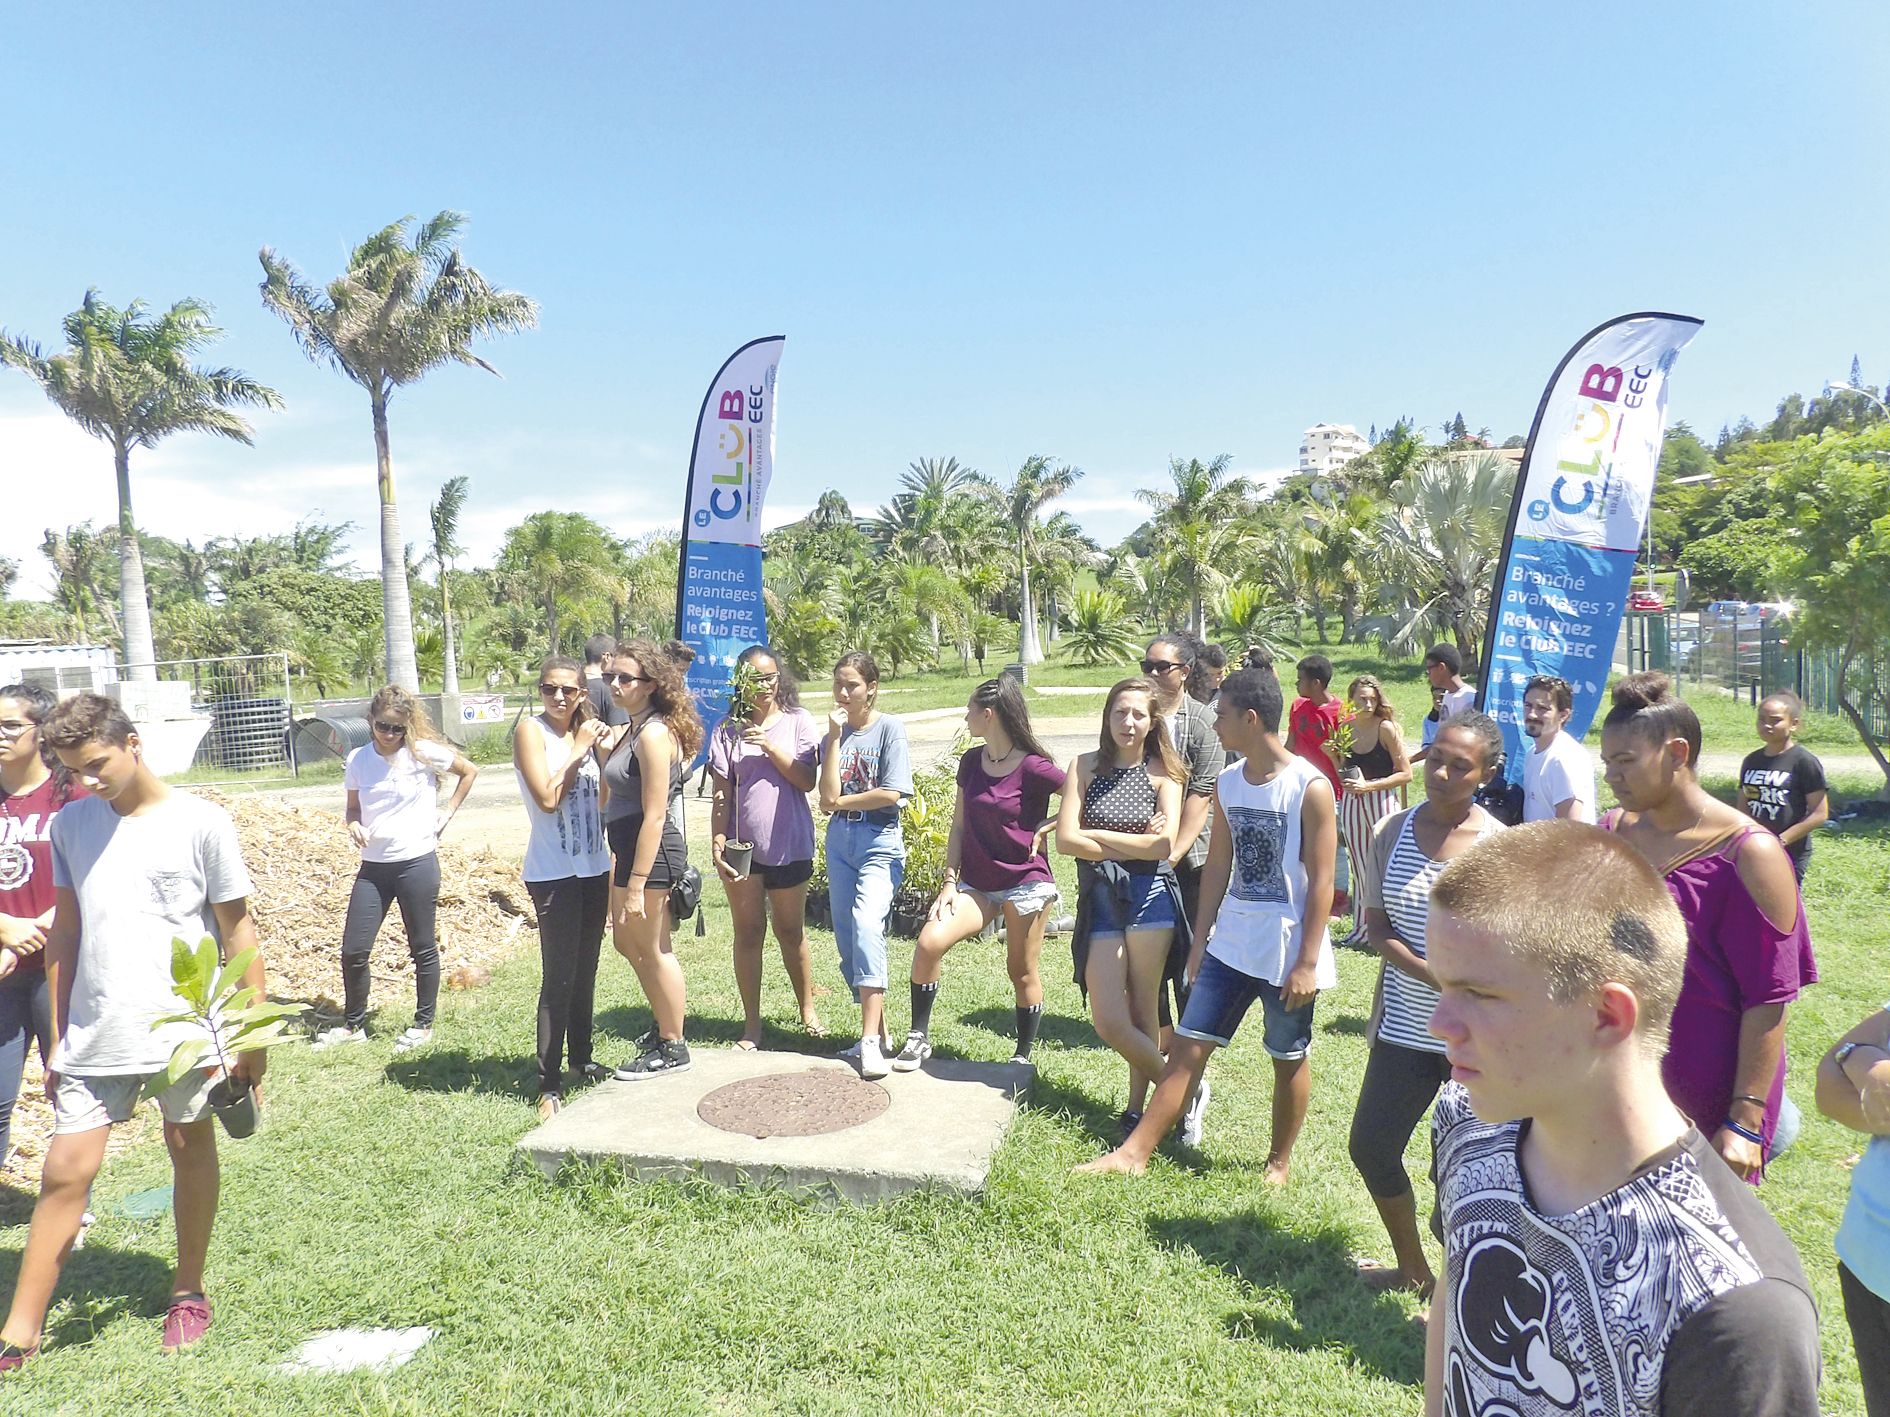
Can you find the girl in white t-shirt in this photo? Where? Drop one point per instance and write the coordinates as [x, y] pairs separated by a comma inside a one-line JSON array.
[[394, 819]]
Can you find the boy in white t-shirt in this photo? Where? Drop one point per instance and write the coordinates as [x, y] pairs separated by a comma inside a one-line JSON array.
[[135, 865], [1443, 666], [1261, 934], [1558, 774]]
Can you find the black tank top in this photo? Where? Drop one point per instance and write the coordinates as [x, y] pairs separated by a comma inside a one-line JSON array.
[[1373, 763]]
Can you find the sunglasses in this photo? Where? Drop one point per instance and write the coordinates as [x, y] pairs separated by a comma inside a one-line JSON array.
[[1160, 666], [392, 730], [563, 690], [629, 679]]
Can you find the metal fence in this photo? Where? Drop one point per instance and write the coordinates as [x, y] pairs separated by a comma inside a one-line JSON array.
[[229, 715], [1750, 655]]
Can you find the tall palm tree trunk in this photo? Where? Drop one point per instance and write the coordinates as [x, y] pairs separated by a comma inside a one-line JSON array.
[[1197, 613], [449, 676], [1028, 650], [140, 654], [396, 603]]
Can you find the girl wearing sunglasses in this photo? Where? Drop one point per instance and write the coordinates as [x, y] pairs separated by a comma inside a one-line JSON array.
[[643, 771], [394, 820], [567, 869]]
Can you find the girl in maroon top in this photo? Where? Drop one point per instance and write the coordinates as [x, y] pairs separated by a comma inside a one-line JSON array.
[[1748, 951], [994, 862], [34, 785]]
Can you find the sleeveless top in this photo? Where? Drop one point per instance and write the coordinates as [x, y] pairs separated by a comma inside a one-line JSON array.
[[1737, 959], [1404, 894], [569, 841], [1120, 800], [1260, 928], [623, 774], [1374, 763]]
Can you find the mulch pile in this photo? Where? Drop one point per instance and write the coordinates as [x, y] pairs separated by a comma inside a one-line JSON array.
[[303, 866]]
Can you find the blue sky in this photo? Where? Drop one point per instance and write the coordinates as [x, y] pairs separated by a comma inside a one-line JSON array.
[[1113, 233]]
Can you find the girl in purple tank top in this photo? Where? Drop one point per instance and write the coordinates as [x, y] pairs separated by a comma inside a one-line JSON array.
[[1748, 951]]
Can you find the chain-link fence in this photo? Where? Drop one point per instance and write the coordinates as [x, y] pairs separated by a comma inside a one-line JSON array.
[[1748, 650]]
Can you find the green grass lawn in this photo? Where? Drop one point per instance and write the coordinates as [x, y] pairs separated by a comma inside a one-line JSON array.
[[386, 1191]]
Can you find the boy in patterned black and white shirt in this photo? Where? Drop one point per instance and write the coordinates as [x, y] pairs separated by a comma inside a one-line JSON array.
[[1599, 1257]]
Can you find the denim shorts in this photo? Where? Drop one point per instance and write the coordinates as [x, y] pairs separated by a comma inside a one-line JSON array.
[[1027, 900], [1149, 907], [84, 1104], [1220, 999]]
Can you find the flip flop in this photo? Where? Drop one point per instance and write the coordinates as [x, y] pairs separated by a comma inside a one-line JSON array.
[[816, 1029], [747, 1045]]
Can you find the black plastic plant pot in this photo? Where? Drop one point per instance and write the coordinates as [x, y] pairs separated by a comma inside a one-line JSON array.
[[237, 1106], [740, 856]]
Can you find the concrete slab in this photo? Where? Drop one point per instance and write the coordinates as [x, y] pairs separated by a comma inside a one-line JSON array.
[[940, 1129]]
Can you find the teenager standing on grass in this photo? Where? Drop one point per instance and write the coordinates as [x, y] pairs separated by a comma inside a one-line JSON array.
[[395, 822], [763, 767], [1450, 696], [1406, 1065], [865, 772], [1854, 1089], [1748, 950], [1375, 773], [1781, 785], [1266, 899], [134, 866], [34, 786], [994, 864], [567, 869], [643, 769], [1598, 1256], [1120, 806]]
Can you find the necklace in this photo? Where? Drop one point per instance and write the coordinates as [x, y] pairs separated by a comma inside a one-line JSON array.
[[992, 765]]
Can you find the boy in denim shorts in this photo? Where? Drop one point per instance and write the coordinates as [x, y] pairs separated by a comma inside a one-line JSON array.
[[134, 865], [1266, 898]]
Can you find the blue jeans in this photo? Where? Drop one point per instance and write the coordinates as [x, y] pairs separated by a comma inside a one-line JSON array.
[[865, 864], [25, 1015], [1220, 999]]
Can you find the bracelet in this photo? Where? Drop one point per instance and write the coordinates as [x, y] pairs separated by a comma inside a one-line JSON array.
[[1745, 1132], [1759, 1102]]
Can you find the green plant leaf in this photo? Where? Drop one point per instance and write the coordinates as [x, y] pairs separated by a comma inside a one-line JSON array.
[[249, 1040], [184, 974], [206, 969], [233, 971], [183, 1059]]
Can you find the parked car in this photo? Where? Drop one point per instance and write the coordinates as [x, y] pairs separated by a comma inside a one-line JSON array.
[[1646, 601]]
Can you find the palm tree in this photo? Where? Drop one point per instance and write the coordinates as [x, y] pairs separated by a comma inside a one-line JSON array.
[[1198, 527], [1245, 615], [126, 377], [1036, 485], [1100, 629], [401, 309], [1438, 541], [79, 558], [559, 560], [443, 517]]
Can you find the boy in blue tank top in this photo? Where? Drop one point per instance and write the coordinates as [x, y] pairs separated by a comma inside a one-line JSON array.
[[1261, 933]]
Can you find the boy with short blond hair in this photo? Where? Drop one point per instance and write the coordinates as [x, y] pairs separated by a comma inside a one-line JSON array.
[[1598, 1254]]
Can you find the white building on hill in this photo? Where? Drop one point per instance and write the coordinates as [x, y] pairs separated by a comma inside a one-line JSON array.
[[1327, 447]]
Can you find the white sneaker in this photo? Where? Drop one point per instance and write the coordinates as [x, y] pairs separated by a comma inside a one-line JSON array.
[[912, 1057], [336, 1036], [873, 1062], [1192, 1128], [413, 1038]]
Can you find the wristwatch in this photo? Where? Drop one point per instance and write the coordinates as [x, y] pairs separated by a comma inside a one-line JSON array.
[[1843, 1055]]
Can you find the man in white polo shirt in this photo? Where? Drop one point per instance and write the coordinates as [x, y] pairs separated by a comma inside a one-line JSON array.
[[1559, 775]]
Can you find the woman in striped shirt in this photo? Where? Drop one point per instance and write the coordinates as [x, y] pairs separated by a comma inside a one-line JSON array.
[[1407, 1066]]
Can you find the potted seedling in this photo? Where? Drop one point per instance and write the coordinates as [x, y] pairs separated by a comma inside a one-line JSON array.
[[744, 693], [229, 1019], [1344, 732]]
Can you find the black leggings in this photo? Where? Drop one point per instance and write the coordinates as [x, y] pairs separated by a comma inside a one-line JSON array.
[[416, 885], [571, 914], [1869, 1318], [1399, 1084]]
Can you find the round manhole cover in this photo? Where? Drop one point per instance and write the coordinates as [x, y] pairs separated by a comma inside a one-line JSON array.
[[808, 1104]]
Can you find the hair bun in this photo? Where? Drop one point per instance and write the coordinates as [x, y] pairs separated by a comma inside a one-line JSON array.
[[1643, 690]]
